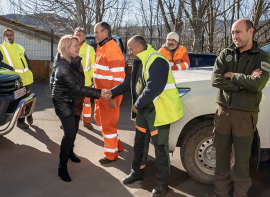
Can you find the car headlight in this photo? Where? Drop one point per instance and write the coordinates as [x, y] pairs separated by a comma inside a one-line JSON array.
[[183, 91]]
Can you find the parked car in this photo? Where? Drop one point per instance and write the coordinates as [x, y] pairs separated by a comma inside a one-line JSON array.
[[193, 133], [14, 102], [201, 60]]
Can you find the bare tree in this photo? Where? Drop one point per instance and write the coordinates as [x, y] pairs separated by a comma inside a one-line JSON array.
[[195, 18]]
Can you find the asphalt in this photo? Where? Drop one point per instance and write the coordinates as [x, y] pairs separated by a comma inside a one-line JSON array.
[[29, 159]]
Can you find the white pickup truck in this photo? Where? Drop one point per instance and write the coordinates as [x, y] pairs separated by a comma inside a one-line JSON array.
[[194, 132]]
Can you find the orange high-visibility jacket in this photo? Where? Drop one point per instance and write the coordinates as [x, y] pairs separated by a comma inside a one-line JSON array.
[[109, 68], [180, 54]]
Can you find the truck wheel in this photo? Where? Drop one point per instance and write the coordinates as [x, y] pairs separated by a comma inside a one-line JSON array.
[[198, 154]]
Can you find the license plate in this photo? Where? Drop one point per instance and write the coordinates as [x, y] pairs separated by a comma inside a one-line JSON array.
[[19, 93]]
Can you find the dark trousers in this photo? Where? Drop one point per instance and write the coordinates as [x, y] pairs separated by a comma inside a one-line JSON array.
[[70, 127], [233, 127], [160, 136], [21, 120]]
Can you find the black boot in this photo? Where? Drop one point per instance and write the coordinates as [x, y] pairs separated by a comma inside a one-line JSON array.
[[63, 173], [74, 158]]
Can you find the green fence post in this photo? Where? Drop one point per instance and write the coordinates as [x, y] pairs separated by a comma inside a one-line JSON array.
[[202, 43], [226, 41], [51, 45]]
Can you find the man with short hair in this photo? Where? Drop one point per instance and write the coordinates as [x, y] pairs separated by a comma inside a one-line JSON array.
[[156, 104], [109, 72], [13, 60], [240, 73], [175, 53], [87, 53]]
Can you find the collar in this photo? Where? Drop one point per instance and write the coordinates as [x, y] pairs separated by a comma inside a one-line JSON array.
[[254, 49], [103, 42]]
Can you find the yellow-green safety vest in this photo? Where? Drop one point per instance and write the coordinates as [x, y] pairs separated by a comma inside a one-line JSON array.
[[87, 53], [168, 105], [13, 55]]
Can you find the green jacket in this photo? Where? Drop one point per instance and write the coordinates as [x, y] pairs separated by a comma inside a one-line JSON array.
[[243, 91]]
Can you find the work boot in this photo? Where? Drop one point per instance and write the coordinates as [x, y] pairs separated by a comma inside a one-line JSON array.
[[159, 191], [63, 173], [30, 119], [131, 179], [104, 160], [74, 158], [22, 125], [88, 126]]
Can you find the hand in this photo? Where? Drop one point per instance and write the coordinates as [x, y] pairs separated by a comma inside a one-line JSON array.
[[134, 109], [178, 62], [106, 94], [228, 75], [112, 103], [256, 73]]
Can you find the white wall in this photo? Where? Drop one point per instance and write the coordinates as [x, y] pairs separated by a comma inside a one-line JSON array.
[[35, 48]]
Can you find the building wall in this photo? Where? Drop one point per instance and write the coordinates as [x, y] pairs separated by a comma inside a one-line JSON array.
[[37, 50]]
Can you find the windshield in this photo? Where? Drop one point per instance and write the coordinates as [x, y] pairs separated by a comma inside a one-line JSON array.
[[201, 60]]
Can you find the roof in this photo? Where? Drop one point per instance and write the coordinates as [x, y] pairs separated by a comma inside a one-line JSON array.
[[28, 29]]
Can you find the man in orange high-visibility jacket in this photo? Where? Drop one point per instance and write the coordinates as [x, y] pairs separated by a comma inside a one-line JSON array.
[[175, 53], [87, 53], [109, 72]]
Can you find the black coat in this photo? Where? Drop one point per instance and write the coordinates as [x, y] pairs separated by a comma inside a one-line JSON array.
[[68, 90]]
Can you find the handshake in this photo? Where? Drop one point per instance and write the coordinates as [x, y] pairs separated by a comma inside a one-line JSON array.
[[106, 94]]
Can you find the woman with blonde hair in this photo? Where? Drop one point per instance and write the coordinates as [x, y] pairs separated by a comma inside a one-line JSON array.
[[68, 93]]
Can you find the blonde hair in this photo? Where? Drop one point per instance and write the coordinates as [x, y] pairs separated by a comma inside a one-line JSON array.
[[64, 44]]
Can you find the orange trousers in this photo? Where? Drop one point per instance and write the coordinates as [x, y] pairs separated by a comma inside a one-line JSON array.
[[87, 110], [106, 118]]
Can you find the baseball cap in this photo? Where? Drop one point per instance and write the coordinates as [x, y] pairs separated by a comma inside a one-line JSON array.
[[173, 35]]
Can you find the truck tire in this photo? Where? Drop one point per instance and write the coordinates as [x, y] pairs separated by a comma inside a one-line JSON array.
[[198, 154]]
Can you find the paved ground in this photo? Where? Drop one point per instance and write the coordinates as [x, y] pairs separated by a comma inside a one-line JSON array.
[[29, 159]]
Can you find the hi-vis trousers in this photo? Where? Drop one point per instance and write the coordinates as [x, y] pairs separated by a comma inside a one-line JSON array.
[[106, 118], [233, 127], [86, 113], [160, 137]]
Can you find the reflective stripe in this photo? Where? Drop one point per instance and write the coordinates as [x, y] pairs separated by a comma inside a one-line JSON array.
[[141, 129], [106, 68], [87, 115], [21, 71], [179, 67], [100, 128], [186, 64], [86, 69], [154, 133], [167, 87], [142, 167], [110, 136], [146, 67], [117, 69], [100, 67], [118, 137], [4, 70], [87, 58], [108, 77], [21, 47], [87, 105], [111, 150], [7, 55]]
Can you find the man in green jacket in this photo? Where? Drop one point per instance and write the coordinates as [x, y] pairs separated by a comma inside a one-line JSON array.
[[156, 104], [240, 73]]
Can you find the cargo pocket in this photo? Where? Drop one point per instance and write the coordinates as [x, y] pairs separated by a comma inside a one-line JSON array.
[[163, 135]]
